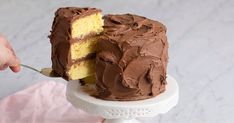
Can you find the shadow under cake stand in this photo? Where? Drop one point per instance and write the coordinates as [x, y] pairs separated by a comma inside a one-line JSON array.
[[124, 111]]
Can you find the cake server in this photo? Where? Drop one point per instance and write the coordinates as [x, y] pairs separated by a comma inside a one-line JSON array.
[[45, 71]]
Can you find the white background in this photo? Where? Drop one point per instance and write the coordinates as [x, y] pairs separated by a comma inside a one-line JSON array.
[[200, 33]]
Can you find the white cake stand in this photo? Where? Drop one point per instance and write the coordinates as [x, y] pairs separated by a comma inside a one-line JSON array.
[[124, 111]]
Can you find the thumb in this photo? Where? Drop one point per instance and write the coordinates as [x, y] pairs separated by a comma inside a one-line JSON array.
[[15, 68], [13, 62]]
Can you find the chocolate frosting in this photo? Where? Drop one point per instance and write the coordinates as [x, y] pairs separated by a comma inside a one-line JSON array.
[[73, 13], [131, 60], [61, 39]]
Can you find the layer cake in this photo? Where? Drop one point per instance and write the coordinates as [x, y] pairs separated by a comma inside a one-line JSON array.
[[131, 59]]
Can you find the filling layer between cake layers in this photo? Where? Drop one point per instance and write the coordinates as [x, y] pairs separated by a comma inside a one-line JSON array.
[[73, 37]]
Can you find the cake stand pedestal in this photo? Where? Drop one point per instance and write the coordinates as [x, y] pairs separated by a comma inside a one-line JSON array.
[[124, 111]]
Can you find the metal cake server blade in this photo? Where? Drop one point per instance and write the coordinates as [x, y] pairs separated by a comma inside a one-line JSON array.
[[45, 71]]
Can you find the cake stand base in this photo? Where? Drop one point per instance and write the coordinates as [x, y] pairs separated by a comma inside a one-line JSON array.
[[121, 121], [123, 111]]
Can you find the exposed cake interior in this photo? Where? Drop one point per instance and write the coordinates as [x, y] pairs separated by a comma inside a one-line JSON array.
[[86, 25], [83, 48], [82, 69]]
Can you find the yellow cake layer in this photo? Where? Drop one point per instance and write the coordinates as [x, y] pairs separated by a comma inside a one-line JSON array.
[[84, 26], [83, 48], [81, 70], [89, 79]]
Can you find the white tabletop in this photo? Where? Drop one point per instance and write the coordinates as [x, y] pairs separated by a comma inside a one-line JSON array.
[[200, 33]]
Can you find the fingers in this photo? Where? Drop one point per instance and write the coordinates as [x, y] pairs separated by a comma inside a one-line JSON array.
[[15, 68], [3, 67], [3, 56], [12, 59], [7, 56], [13, 62]]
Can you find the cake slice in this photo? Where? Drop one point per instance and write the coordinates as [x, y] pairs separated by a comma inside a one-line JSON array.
[[73, 38]]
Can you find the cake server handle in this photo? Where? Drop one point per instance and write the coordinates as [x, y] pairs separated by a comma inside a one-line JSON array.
[[45, 71]]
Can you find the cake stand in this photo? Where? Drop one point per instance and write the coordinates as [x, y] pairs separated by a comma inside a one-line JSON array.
[[124, 111]]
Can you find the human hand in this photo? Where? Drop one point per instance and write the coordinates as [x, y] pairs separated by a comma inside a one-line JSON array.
[[7, 56]]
